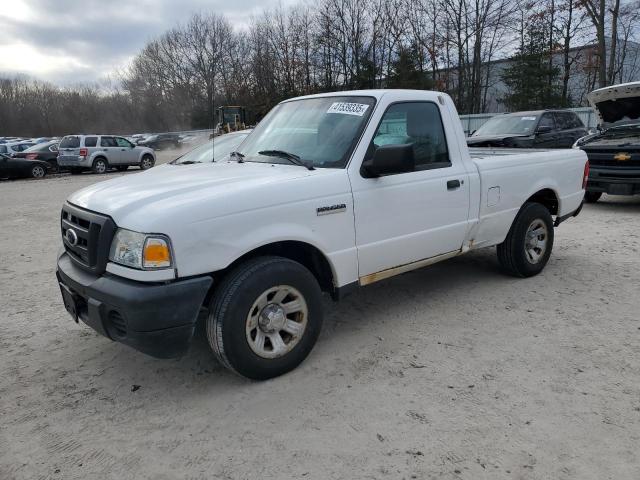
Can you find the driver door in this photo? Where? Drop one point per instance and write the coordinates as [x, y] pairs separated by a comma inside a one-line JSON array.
[[408, 217], [128, 155]]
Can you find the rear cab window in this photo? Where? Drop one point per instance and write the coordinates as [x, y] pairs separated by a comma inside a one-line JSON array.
[[70, 141]]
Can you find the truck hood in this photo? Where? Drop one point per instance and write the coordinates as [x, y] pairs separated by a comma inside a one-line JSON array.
[[178, 192], [617, 102]]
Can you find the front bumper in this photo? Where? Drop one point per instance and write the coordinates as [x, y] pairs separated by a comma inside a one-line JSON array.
[[157, 319], [614, 181]]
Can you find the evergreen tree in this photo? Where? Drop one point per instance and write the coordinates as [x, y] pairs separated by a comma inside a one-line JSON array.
[[531, 80], [406, 71]]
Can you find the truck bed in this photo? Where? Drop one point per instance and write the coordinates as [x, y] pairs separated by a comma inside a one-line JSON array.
[[482, 152]]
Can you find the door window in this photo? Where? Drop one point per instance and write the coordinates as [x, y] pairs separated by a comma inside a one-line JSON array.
[[547, 121], [418, 124], [123, 143], [90, 141], [108, 142]]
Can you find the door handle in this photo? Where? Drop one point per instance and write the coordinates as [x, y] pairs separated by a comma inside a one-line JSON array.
[[453, 184]]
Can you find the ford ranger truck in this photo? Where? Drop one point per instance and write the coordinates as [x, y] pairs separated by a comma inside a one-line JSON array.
[[614, 151], [329, 192]]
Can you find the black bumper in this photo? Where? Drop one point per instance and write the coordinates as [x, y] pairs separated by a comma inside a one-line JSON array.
[[614, 181], [155, 318]]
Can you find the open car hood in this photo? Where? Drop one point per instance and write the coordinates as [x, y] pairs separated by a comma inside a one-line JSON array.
[[617, 102]]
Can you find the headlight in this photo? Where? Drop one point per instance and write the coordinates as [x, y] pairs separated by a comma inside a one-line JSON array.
[[139, 250]]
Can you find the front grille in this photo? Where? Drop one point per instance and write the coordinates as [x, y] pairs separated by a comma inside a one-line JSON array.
[[88, 243], [604, 157]]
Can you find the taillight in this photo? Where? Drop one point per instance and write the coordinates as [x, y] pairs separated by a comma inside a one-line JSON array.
[[84, 152], [32, 156], [585, 178]]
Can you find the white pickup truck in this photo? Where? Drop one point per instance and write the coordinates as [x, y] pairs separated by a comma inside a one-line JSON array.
[[329, 192]]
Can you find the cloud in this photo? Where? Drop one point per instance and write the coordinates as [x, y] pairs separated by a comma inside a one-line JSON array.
[[75, 41]]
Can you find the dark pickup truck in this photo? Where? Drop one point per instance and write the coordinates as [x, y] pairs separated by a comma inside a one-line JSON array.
[[614, 152], [537, 129]]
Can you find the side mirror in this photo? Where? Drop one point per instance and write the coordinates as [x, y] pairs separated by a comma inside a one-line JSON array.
[[543, 129], [390, 159]]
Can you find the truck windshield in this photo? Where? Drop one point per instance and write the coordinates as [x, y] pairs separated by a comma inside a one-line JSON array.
[[322, 131], [508, 124]]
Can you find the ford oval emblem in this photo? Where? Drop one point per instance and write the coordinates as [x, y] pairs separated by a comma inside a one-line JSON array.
[[72, 236]]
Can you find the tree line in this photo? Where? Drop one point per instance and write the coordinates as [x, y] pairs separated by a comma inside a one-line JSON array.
[[457, 46]]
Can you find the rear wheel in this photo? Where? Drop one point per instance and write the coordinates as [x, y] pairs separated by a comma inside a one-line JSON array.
[[38, 171], [100, 165], [528, 245], [147, 162], [265, 317], [592, 197]]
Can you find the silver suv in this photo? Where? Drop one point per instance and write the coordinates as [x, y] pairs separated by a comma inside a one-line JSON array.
[[101, 152]]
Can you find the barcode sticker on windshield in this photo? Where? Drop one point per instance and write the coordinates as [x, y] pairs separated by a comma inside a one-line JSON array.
[[348, 108], [530, 119]]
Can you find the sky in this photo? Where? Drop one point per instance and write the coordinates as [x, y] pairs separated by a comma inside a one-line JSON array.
[[68, 42]]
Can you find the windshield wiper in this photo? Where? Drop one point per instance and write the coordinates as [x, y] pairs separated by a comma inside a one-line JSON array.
[[293, 158], [238, 155]]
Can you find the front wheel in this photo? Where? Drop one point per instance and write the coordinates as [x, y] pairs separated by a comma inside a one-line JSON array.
[[528, 245], [265, 317], [38, 171], [147, 162], [592, 197]]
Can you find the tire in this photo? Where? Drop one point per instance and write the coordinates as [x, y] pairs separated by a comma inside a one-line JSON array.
[[239, 331], [38, 171], [592, 197], [122, 168], [100, 166], [523, 254], [147, 162]]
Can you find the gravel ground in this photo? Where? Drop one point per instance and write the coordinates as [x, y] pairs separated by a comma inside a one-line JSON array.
[[454, 371]]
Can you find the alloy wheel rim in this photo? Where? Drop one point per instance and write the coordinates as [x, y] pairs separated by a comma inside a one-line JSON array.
[[146, 163], [38, 172], [101, 167], [536, 240], [276, 321]]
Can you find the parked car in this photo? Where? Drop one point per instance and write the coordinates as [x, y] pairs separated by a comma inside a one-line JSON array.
[[12, 167], [328, 192], [47, 151], [213, 150], [614, 151], [161, 141], [538, 129], [11, 148], [99, 153]]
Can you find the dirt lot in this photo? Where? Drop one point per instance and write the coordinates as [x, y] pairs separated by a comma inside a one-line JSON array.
[[454, 371]]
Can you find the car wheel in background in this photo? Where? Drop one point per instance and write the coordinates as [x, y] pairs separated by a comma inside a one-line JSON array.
[[38, 171], [100, 165], [528, 245], [265, 317], [592, 197], [122, 168], [147, 162]]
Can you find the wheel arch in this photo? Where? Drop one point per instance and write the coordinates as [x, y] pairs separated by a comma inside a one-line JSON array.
[[546, 197], [302, 252]]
